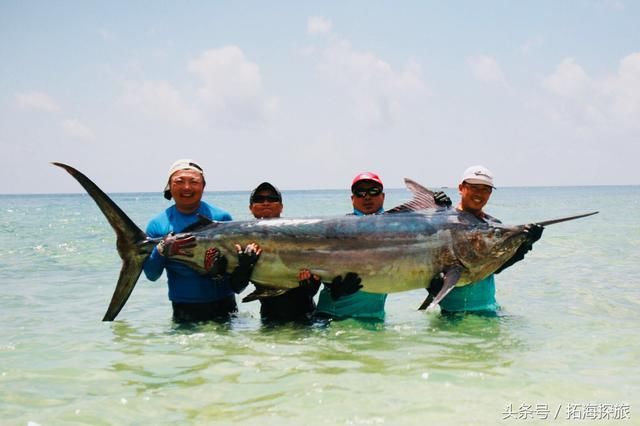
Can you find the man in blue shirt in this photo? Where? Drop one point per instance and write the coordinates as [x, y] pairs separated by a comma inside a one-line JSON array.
[[194, 297]]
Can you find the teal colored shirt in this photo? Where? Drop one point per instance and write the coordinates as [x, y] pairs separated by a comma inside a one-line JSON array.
[[475, 297], [360, 304]]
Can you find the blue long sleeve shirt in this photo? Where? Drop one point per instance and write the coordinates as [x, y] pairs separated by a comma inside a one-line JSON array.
[[185, 285]]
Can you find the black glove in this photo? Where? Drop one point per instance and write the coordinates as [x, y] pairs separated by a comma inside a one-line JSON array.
[[177, 245], [311, 284], [436, 285], [342, 287], [247, 259], [215, 263], [533, 232], [441, 199]]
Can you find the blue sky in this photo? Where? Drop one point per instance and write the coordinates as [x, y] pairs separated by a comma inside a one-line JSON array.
[[307, 94]]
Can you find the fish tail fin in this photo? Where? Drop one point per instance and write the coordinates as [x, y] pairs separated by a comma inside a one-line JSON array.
[[132, 243]]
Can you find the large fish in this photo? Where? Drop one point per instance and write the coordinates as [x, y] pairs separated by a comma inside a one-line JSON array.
[[400, 250]]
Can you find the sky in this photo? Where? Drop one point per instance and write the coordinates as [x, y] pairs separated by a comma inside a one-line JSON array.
[[308, 94]]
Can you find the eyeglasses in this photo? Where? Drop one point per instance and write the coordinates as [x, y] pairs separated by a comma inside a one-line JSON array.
[[265, 199], [373, 192], [479, 188]]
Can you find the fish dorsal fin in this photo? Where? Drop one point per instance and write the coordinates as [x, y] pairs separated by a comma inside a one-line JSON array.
[[422, 198], [202, 221]]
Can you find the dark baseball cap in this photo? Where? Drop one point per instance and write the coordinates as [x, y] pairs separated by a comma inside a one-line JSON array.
[[265, 186]]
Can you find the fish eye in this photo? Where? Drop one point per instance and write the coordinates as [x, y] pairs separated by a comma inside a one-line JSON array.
[[497, 233]]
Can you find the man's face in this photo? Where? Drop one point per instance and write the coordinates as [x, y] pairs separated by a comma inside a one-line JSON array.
[[473, 197], [265, 205], [186, 188], [367, 196]]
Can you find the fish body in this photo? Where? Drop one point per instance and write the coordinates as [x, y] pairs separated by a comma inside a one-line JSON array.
[[402, 249], [390, 252]]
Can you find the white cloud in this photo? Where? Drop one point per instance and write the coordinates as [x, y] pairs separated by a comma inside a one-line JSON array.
[[77, 130], [37, 101], [318, 25], [231, 83], [574, 99], [568, 80], [486, 69], [612, 101], [624, 89], [377, 92], [160, 100]]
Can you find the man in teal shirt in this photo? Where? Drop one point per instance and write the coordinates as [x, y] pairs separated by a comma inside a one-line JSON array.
[[343, 298], [337, 300], [476, 186]]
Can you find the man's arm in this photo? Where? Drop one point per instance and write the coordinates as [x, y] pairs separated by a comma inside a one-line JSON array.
[[247, 259], [533, 233]]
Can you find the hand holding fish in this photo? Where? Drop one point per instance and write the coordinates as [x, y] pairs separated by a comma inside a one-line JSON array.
[[308, 281], [343, 287], [533, 232], [248, 257], [215, 263], [177, 245], [441, 199]]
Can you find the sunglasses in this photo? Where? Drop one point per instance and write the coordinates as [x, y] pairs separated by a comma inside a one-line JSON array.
[[373, 192], [266, 199]]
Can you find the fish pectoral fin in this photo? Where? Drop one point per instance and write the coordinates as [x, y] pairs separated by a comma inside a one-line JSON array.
[[451, 278], [263, 293]]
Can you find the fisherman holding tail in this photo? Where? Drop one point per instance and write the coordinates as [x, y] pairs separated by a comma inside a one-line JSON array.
[[476, 186], [194, 297]]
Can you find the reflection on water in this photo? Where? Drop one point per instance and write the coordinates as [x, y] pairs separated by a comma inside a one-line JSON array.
[[482, 343], [336, 355]]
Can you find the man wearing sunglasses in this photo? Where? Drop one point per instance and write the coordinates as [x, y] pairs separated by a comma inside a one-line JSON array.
[[476, 187], [296, 304], [344, 299], [194, 297]]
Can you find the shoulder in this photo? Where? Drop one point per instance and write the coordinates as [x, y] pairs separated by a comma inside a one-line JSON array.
[[213, 212], [161, 223]]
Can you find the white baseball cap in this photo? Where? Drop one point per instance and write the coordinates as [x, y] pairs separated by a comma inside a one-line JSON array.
[[182, 164], [478, 175]]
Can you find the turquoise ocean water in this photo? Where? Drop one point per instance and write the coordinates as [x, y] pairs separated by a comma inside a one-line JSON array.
[[567, 349]]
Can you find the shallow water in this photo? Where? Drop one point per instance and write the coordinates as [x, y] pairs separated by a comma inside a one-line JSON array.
[[566, 345]]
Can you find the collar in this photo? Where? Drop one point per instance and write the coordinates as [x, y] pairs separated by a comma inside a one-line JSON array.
[[359, 213]]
